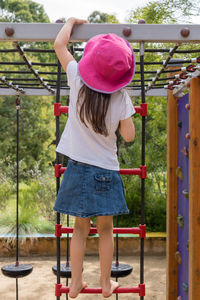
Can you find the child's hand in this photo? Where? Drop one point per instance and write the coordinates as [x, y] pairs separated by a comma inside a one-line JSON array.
[[77, 21]]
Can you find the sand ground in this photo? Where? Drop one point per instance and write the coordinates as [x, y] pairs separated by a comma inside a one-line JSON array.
[[39, 285]]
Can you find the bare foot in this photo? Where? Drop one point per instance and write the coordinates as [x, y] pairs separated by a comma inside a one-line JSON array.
[[108, 288], [74, 290]]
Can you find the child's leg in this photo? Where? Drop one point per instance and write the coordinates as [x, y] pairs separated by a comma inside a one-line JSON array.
[[77, 251], [106, 248]]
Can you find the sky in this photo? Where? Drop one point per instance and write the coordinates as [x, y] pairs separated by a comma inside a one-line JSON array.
[[83, 8]]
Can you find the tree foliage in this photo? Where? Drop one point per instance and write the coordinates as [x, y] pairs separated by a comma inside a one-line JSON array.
[[165, 12], [101, 17], [26, 11]]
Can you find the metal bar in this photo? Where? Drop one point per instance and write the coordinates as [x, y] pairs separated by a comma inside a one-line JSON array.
[[148, 63], [140, 289], [57, 161], [139, 32], [79, 49], [28, 72], [141, 230], [19, 63], [65, 92], [17, 290], [17, 182], [143, 163], [64, 86]]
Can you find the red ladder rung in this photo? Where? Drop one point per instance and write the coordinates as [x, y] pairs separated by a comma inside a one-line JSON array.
[[141, 230], [142, 109], [59, 109], [59, 290], [142, 171]]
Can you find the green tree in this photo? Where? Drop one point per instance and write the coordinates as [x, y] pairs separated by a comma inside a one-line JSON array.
[[101, 17], [36, 113], [166, 11], [22, 11]]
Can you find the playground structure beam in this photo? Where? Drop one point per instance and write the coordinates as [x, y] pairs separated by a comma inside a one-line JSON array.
[[172, 163], [194, 189], [138, 32], [65, 92]]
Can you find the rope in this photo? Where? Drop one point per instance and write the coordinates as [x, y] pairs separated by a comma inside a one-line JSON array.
[[143, 163], [165, 63], [57, 162], [10, 85], [34, 72], [17, 190]]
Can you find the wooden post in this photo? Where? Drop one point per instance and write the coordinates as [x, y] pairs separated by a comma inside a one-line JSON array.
[[172, 163], [194, 190]]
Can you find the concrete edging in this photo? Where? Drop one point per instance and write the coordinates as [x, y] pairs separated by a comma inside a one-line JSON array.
[[46, 246]]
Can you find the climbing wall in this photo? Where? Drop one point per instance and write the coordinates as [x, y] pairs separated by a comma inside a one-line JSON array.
[[182, 254]]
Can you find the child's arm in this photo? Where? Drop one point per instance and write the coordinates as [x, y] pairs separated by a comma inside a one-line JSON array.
[[62, 40], [127, 129]]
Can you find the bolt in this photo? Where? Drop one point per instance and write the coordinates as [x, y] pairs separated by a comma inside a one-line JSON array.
[[185, 32], [59, 21], [127, 31], [9, 31], [142, 21]]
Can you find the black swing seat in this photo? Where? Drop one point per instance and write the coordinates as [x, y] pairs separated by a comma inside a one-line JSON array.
[[121, 270], [15, 271], [65, 271]]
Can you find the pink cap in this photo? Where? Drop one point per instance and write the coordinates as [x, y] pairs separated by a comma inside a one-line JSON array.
[[108, 63]]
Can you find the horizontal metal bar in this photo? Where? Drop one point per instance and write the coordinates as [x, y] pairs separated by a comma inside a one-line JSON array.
[[65, 92], [59, 290], [134, 230], [139, 32], [79, 49]]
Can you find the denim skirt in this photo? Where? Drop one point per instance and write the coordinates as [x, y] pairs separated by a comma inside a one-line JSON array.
[[88, 191]]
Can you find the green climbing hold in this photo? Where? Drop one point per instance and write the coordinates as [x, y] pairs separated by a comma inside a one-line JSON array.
[[185, 193], [179, 173], [178, 257], [185, 287], [180, 124], [180, 220]]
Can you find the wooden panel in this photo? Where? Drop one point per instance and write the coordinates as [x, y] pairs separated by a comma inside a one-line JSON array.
[[194, 190], [172, 163]]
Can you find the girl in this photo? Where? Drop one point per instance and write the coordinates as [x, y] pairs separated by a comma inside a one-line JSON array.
[[99, 105]]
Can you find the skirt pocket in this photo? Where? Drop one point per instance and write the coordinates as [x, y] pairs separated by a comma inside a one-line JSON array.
[[103, 182]]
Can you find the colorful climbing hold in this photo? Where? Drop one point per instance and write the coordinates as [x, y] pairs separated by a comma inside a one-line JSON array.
[[185, 287], [187, 136], [180, 220], [178, 257], [185, 151], [185, 193], [180, 124], [187, 106], [179, 173]]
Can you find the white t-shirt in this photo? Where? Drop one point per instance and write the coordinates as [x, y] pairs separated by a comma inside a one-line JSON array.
[[83, 144]]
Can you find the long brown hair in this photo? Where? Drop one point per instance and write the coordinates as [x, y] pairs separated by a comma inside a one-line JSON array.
[[93, 106]]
